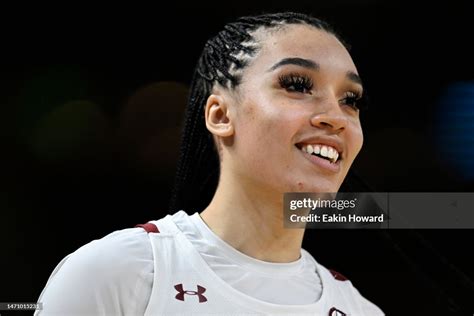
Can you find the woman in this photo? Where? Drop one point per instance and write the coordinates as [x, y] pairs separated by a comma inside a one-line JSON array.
[[273, 109]]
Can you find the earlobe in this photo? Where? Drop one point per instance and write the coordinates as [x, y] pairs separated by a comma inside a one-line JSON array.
[[217, 117]]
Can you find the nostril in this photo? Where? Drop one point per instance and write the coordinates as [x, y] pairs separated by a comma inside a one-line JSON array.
[[331, 122], [323, 124]]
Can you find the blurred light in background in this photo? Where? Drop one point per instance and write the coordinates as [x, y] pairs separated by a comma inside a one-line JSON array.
[[74, 130], [150, 126], [454, 126], [44, 90]]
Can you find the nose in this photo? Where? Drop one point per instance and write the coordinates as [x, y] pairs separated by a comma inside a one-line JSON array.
[[330, 116]]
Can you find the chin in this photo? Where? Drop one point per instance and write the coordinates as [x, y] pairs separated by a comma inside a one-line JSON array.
[[306, 186], [332, 189]]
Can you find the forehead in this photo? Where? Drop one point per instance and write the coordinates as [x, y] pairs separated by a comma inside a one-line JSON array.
[[301, 41]]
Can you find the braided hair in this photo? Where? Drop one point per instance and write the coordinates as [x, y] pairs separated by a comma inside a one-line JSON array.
[[222, 62]]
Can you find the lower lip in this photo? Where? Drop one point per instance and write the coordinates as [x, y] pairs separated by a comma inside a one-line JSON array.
[[321, 162]]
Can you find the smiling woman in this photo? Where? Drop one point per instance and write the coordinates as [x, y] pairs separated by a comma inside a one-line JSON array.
[[274, 108]]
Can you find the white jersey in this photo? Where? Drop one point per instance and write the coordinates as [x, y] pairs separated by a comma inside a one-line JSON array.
[[185, 285], [165, 272]]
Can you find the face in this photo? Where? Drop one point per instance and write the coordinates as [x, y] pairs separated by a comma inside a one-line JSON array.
[[296, 124]]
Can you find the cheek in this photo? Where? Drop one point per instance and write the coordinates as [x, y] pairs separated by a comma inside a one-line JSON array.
[[355, 139], [266, 126], [264, 135]]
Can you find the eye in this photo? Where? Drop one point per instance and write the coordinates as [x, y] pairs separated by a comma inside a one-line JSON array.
[[353, 100], [296, 83]]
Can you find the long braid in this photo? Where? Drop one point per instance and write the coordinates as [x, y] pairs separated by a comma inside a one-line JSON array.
[[221, 62]]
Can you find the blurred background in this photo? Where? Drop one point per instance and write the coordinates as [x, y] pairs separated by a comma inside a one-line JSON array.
[[90, 117]]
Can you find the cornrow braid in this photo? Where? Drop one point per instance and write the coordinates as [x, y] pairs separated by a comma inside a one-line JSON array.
[[222, 61]]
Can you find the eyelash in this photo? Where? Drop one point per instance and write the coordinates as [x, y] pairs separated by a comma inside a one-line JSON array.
[[303, 84], [352, 99], [296, 83]]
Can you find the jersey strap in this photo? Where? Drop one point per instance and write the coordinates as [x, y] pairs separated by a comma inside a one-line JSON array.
[[149, 227]]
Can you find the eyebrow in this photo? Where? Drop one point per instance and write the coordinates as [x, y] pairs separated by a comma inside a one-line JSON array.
[[307, 63], [352, 76]]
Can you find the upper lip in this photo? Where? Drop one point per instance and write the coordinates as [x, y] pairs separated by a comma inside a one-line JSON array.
[[323, 140]]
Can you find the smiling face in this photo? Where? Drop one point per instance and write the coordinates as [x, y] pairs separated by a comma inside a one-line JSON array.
[[296, 126]]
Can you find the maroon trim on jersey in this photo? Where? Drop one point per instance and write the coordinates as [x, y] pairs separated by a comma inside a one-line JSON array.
[[338, 276], [149, 227], [335, 312]]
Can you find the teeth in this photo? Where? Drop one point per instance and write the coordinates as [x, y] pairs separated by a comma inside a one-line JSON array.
[[317, 149], [331, 153], [325, 151]]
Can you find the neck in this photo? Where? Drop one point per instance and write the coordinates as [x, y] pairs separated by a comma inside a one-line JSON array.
[[251, 221]]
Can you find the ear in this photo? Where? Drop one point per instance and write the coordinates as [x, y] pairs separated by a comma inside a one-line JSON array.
[[217, 117]]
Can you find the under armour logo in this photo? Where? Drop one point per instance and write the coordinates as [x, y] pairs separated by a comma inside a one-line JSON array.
[[335, 312], [199, 293]]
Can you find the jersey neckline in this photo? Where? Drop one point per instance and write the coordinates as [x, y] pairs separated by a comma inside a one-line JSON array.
[[240, 298], [283, 270]]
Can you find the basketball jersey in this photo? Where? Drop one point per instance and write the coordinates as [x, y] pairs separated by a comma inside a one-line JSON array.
[[184, 284]]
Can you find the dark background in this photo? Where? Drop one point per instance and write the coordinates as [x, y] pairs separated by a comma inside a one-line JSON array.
[[91, 108]]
